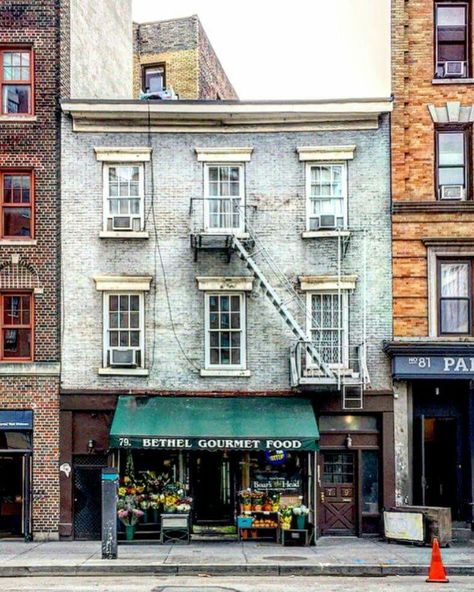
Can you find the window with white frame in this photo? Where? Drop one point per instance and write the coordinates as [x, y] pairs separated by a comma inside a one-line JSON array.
[[123, 329], [326, 190], [224, 197], [328, 325], [225, 330], [123, 197]]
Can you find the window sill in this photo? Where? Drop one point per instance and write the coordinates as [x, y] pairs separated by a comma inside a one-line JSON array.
[[324, 233], [18, 118], [123, 372], [8, 368], [9, 242], [453, 81], [225, 373], [242, 235], [123, 234]]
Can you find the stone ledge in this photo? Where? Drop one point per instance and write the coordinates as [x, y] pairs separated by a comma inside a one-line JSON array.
[[30, 369], [325, 233], [123, 372], [225, 373], [124, 234]]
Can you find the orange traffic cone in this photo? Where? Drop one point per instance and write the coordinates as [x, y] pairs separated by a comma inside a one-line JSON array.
[[437, 572]]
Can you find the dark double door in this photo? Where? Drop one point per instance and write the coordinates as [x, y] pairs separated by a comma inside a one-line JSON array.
[[338, 493], [15, 495]]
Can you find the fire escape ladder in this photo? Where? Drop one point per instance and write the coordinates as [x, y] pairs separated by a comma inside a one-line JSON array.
[[281, 306]]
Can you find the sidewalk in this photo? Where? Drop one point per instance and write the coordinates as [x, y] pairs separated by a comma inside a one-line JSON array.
[[342, 556]]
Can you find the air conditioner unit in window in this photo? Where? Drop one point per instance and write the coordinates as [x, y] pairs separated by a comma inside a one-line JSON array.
[[453, 69], [327, 221], [122, 223], [452, 192], [119, 358]]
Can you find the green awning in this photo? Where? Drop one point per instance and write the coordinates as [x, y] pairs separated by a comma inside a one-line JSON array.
[[214, 423]]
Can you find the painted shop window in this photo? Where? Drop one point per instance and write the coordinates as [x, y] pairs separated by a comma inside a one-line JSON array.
[[17, 326], [123, 197], [452, 39], [453, 148], [16, 197], [225, 331], [455, 297], [124, 330], [328, 326], [326, 196], [224, 198], [16, 70], [153, 78]]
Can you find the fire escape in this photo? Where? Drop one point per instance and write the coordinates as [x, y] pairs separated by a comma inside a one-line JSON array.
[[313, 364]]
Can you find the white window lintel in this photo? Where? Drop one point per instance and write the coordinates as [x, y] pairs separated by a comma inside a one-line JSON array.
[[122, 154], [225, 284], [326, 153], [225, 154], [123, 283], [322, 283]]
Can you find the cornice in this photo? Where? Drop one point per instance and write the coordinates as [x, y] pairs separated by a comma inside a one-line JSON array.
[[435, 207]]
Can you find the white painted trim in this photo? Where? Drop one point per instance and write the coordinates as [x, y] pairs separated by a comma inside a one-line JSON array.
[[325, 233], [122, 154], [207, 197], [225, 373], [226, 154], [225, 284], [327, 283], [123, 372], [30, 369], [344, 183], [105, 197], [326, 153], [5, 242], [124, 234], [243, 327], [110, 283], [18, 118]]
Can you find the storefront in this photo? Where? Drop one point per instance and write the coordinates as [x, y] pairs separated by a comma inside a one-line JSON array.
[[215, 448], [439, 386], [16, 431]]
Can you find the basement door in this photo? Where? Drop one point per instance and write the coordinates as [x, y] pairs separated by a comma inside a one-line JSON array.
[[338, 493]]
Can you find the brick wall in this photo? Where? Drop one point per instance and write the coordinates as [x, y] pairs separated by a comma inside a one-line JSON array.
[[213, 81]]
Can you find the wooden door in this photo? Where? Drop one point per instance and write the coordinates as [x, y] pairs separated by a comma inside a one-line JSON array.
[[338, 493]]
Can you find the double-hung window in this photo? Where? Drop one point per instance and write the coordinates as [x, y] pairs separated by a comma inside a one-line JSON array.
[[123, 330], [124, 197], [452, 39], [455, 297], [17, 326], [16, 71], [328, 326], [225, 331], [153, 78], [453, 148], [224, 198], [16, 198], [326, 190]]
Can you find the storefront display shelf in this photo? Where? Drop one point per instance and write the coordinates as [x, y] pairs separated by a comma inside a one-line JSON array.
[[259, 534]]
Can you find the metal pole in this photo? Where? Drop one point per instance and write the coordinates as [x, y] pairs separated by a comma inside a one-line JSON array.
[[109, 513]]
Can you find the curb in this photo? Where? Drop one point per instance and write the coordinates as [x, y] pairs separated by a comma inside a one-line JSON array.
[[373, 570]]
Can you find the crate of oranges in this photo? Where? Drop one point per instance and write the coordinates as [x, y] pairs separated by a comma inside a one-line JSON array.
[[264, 523]]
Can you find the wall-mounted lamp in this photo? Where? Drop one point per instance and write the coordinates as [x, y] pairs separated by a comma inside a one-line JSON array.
[[90, 445], [437, 391], [348, 441]]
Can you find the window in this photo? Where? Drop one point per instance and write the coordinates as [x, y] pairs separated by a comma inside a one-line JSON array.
[[452, 59], [328, 324], [153, 78], [225, 331], [16, 196], [16, 70], [370, 481], [124, 330], [338, 467], [326, 196], [345, 423], [124, 196], [455, 297], [17, 326], [453, 155], [224, 198]]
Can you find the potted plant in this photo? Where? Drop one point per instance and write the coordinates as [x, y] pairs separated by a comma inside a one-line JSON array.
[[257, 501], [245, 498], [301, 512]]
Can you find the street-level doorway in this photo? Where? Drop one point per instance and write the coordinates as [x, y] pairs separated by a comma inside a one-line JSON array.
[[15, 469], [87, 474], [338, 493]]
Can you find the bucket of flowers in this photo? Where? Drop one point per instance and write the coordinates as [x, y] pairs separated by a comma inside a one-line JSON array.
[[155, 504], [129, 515], [301, 512], [257, 500], [245, 499], [286, 516], [275, 499], [183, 505]]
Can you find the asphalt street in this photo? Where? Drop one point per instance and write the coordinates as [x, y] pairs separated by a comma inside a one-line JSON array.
[[135, 583]]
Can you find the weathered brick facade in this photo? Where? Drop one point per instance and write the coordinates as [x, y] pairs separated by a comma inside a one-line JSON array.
[[192, 68]]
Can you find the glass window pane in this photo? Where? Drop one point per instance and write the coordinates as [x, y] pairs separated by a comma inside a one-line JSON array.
[[451, 148], [235, 356], [343, 423], [113, 302], [455, 280], [370, 481], [135, 302], [113, 320], [213, 303], [455, 316], [17, 222], [16, 343], [124, 339], [15, 440], [451, 16], [135, 338], [451, 176], [16, 98], [123, 302]]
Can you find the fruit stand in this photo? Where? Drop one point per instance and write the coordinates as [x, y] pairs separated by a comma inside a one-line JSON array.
[[258, 525]]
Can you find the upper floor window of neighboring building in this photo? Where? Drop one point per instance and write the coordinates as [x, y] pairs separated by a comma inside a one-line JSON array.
[[326, 191], [452, 162], [328, 318], [224, 201], [452, 39], [153, 78], [16, 198], [225, 331], [123, 330], [17, 326], [124, 196], [16, 70], [455, 297]]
